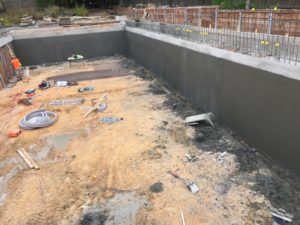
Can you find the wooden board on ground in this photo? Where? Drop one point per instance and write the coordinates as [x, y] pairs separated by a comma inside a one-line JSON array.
[[27, 159]]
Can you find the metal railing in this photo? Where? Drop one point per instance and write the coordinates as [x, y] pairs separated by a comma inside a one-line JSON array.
[[279, 47]]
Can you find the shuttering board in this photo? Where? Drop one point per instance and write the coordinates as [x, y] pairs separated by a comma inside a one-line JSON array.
[[8, 61], [2, 68], [6, 69]]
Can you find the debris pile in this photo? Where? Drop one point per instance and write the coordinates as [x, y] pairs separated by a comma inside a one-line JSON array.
[[190, 185], [64, 21], [26, 21]]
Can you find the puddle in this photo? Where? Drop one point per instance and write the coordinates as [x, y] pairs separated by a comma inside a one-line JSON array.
[[121, 209]]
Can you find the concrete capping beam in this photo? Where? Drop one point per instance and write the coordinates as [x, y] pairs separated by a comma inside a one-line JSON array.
[[5, 40], [265, 63], [55, 33]]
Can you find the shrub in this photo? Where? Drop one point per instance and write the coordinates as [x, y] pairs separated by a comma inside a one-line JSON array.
[[11, 17], [53, 11], [38, 14], [80, 11], [45, 3], [230, 4]]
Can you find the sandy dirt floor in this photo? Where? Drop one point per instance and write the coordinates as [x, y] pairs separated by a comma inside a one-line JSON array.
[[94, 173]]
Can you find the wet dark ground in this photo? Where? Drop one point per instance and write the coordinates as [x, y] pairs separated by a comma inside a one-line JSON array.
[[94, 218], [278, 185]]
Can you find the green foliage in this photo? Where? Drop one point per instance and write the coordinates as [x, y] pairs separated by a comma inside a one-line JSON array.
[[217, 2], [37, 14], [230, 4], [264, 6], [45, 3], [11, 17], [53, 11], [80, 11]]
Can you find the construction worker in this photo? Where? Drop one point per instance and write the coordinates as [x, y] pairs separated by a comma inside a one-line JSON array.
[[16, 65]]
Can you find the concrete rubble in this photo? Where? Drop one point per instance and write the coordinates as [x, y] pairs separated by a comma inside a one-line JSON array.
[[26, 21]]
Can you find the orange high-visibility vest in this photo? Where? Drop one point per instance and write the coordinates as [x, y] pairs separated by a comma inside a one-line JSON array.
[[16, 63]]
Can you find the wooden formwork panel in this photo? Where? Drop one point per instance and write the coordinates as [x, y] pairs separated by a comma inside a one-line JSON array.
[[6, 69]]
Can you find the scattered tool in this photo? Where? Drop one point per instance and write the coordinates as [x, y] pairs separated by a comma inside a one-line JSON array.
[[281, 214], [190, 185], [99, 101], [87, 88], [61, 83], [27, 159], [42, 105], [191, 158], [102, 106], [110, 120], [25, 101], [44, 84], [14, 133], [30, 91], [76, 58], [69, 101], [72, 83], [202, 117]]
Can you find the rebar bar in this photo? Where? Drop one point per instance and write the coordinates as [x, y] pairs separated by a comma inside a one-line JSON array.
[[247, 42]]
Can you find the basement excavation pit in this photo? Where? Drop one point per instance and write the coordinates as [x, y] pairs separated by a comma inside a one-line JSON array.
[[101, 173], [97, 164]]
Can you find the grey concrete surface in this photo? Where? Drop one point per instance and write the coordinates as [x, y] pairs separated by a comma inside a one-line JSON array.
[[260, 106], [4, 40], [264, 63], [39, 50], [35, 32]]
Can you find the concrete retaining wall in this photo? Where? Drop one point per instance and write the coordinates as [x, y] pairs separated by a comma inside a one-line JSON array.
[[260, 106], [51, 49]]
